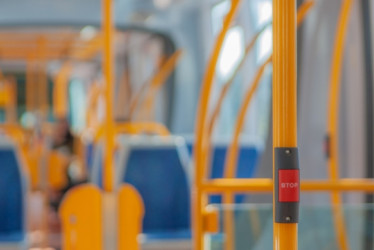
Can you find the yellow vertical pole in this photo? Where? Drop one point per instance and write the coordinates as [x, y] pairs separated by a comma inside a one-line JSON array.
[[30, 83], [60, 91], [333, 120], [107, 27], [284, 101], [42, 77]]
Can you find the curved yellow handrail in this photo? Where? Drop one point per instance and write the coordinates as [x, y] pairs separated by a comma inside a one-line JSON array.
[[156, 83], [333, 119], [303, 11], [200, 159]]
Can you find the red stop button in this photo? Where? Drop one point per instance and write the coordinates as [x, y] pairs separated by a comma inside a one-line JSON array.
[[289, 183]]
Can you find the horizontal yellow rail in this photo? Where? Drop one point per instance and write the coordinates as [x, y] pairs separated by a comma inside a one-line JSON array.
[[142, 127], [266, 185], [134, 128]]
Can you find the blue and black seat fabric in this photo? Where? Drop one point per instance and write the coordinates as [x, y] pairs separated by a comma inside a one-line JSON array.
[[159, 171], [12, 196]]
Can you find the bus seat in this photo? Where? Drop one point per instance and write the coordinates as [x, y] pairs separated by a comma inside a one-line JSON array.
[[12, 198], [158, 170], [81, 218], [249, 154]]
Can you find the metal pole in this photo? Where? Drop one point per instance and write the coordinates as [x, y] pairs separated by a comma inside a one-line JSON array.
[[107, 27], [285, 124]]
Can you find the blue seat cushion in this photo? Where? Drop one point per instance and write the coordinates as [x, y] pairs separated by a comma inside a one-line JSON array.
[[158, 175], [12, 237], [11, 196], [168, 235]]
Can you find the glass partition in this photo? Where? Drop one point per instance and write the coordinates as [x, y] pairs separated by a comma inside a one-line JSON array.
[[253, 227]]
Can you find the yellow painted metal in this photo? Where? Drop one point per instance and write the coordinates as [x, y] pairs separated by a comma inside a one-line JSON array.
[[108, 67], [303, 11], [211, 220], [333, 119], [57, 168], [201, 150], [130, 217], [284, 100], [142, 127], [8, 98], [69, 46], [266, 185], [134, 128], [60, 91], [232, 152], [30, 83], [5, 93], [155, 83], [81, 218], [42, 77]]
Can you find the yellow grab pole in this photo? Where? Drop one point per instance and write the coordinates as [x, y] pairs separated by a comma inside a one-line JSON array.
[[42, 80], [30, 84], [60, 91], [284, 104], [232, 152], [333, 120], [199, 198], [107, 27]]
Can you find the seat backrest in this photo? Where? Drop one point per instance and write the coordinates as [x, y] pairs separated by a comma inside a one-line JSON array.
[[12, 192], [159, 172], [249, 154]]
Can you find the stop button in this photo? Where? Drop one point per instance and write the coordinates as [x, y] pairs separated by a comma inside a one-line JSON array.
[[289, 182]]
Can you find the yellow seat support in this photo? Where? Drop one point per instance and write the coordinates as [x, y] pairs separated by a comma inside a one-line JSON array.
[[130, 217], [81, 218]]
